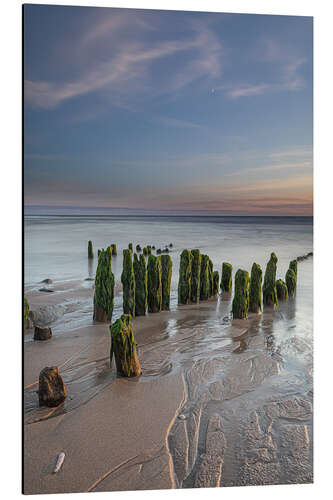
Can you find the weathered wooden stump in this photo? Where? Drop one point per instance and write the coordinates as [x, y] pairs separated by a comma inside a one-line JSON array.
[[51, 390], [269, 287], [185, 274], [291, 282], [226, 278], [123, 347], [128, 282], [195, 276], [42, 333], [204, 278], [281, 290], [90, 250], [216, 283], [154, 269], [104, 288], [255, 289], [166, 264], [140, 277], [240, 303]]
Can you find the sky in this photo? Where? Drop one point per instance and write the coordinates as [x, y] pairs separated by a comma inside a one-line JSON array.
[[142, 111]]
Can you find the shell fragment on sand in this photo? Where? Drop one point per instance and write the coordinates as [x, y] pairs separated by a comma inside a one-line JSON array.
[[60, 461]]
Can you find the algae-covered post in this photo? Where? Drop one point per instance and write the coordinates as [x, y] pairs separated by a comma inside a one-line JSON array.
[[90, 250], [185, 272], [123, 347], [293, 266], [128, 282], [26, 310], [281, 290], [166, 264], [226, 278], [204, 278], [154, 269], [216, 279], [104, 288], [195, 275], [140, 276], [291, 282], [211, 278], [130, 247], [114, 248], [255, 289], [138, 248], [145, 251], [240, 303], [269, 287]]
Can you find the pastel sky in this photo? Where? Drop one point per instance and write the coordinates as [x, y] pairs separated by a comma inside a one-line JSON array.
[[150, 111]]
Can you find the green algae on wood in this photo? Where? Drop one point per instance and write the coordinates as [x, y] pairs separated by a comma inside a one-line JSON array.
[[293, 266], [185, 276], [166, 264], [104, 288], [291, 282], [226, 278], [26, 310], [113, 246], [216, 279], [154, 269], [90, 250], [269, 286], [281, 290], [240, 303], [140, 276], [130, 247], [123, 347], [138, 248], [128, 282], [195, 276], [210, 277], [204, 278], [255, 289]]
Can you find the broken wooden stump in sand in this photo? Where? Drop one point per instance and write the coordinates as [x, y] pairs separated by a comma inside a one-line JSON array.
[[123, 347]]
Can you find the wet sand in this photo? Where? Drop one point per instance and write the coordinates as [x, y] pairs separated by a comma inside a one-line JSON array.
[[219, 403]]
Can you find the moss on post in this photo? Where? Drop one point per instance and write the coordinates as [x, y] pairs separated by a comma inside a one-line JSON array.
[[185, 274], [114, 249], [145, 251], [166, 264], [154, 284], [211, 278], [128, 282], [255, 289], [216, 279], [26, 310], [195, 276], [90, 250], [148, 249], [138, 248], [240, 303], [226, 278], [281, 290], [291, 282], [130, 247], [123, 347], [140, 277], [269, 287], [204, 278], [293, 266], [104, 288]]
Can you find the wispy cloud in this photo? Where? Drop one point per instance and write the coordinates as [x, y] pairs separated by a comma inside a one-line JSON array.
[[128, 66]]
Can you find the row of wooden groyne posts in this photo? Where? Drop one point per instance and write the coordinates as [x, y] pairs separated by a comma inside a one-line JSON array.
[[146, 286]]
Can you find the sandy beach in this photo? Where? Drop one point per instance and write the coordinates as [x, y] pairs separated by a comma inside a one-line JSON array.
[[219, 402]]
